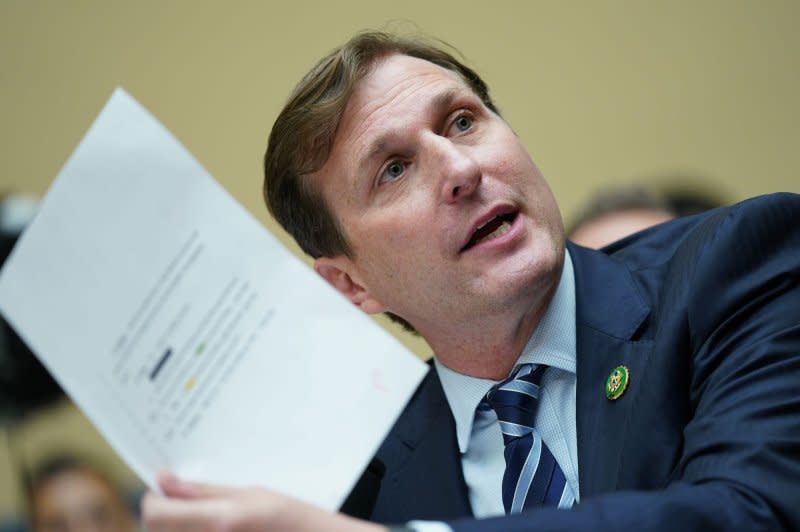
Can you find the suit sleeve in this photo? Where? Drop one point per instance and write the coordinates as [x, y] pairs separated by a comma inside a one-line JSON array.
[[740, 464]]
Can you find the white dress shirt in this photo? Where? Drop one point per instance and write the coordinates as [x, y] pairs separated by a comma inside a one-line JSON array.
[[479, 438]]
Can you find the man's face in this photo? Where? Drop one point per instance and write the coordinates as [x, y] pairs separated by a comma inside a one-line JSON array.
[[449, 219]]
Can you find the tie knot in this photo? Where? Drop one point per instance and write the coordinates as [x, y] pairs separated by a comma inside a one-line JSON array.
[[515, 400]]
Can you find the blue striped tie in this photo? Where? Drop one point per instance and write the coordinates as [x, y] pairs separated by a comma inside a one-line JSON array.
[[532, 477]]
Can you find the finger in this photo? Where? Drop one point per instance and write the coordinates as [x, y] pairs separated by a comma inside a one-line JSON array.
[[173, 486], [162, 514]]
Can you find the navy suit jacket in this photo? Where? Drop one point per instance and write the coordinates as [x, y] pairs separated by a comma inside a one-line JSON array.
[[705, 313]]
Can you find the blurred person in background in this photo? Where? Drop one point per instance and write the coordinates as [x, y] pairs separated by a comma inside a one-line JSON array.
[[615, 212], [71, 495]]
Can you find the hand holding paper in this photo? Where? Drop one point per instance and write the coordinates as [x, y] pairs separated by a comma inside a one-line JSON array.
[[196, 506]]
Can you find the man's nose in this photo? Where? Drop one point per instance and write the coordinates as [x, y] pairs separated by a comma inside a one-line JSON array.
[[460, 173]]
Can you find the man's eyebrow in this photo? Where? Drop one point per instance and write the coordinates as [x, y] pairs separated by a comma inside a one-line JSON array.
[[445, 98], [441, 100]]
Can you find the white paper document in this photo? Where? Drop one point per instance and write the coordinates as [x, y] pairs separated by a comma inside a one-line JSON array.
[[189, 335]]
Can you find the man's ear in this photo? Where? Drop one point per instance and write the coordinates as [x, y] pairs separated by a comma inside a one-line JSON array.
[[340, 274]]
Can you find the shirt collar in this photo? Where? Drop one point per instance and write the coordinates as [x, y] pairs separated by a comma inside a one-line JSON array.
[[551, 344]]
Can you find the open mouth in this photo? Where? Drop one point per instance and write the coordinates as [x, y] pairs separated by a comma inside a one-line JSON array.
[[494, 228]]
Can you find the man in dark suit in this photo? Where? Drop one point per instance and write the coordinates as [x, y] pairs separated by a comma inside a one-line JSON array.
[[665, 367]]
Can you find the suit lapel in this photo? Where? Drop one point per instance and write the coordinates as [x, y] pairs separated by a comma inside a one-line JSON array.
[[610, 313], [423, 477]]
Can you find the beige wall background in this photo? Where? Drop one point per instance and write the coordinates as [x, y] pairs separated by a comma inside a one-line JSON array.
[[600, 92]]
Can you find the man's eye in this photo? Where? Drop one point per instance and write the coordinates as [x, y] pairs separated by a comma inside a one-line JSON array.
[[392, 171], [463, 123]]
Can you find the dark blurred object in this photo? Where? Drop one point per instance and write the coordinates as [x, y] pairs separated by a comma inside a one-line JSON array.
[[24, 383]]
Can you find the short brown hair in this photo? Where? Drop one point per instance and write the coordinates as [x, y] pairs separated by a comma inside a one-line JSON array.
[[302, 136]]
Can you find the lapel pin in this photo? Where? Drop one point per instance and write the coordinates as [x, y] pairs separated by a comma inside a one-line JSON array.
[[617, 383]]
